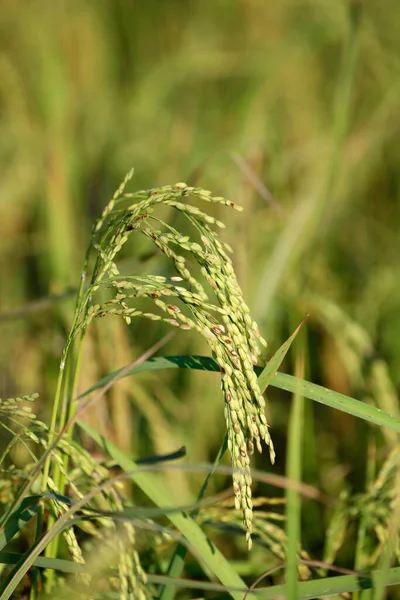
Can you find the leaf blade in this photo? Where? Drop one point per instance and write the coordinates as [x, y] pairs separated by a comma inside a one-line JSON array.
[[268, 373], [157, 492], [282, 381]]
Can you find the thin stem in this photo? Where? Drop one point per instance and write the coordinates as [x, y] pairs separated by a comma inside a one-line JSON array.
[[59, 478], [62, 414]]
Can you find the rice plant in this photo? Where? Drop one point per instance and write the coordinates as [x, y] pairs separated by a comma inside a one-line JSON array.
[[289, 109], [223, 320]]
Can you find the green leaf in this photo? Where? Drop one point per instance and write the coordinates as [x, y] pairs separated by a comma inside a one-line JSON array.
[[293, 502], [178, 558], [269, 371], [17, 522], [156, 490], [306, 590], [58, 564], [28, 508], [203, 363], [280, 380]]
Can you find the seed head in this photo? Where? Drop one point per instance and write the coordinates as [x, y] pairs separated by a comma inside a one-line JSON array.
[[216, 310]]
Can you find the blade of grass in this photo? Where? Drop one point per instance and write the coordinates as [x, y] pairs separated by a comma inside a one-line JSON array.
[[177, 561], [268, 373], [28, 508], [305, 589], [17, 522], [154, 488], [293, 501], [283, 381], [58, 564]]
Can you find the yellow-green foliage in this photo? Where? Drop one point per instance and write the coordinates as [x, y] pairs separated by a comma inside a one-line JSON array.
[[290, 109]]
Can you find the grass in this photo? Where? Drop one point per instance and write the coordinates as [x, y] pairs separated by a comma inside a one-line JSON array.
[[290, 110]]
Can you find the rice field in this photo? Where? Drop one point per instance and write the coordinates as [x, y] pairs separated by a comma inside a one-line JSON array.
[[119, 484]]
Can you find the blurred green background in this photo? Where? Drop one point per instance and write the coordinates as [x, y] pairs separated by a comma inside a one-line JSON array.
[[288, 108]]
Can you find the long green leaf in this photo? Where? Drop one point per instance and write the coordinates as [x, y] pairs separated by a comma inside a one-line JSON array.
[[17, 522], [293, 502], [178, 558], [280, 380], [28, 508], [154, 487], [268, 373], [58, 564], [305, 589]]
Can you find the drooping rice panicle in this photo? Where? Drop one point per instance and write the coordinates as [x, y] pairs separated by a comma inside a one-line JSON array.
[[214, 307]]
